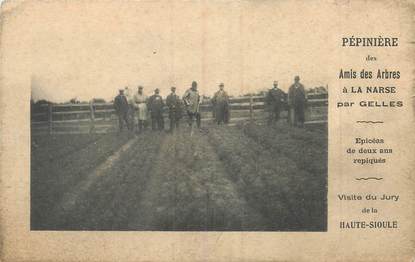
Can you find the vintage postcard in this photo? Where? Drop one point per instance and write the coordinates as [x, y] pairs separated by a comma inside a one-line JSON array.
[[207, 130]]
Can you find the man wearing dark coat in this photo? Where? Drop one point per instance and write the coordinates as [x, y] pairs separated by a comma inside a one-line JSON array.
[[122, 108], [297, 100], [220, 103], [174, 104], [275, 100], [155, 105]]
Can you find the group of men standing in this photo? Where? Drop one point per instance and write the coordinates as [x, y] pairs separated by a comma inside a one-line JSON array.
[[128, 106], [296, 101]]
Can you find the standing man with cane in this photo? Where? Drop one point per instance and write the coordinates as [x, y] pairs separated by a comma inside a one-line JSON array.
[[192, 101]]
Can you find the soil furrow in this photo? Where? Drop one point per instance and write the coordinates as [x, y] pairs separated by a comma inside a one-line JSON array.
[[50, 182], [189, 190], [272, 184], [114, 189]]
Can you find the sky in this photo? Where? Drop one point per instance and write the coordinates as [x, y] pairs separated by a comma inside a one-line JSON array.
[[91, 49]]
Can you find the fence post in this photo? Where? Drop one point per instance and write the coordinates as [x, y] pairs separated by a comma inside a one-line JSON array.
[[50, 119], [92, 116], [251, 107]]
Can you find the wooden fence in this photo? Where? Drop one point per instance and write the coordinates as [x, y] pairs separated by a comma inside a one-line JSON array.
[[101, 118]]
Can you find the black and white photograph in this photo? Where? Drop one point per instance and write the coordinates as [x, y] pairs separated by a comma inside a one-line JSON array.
[[178, 116]]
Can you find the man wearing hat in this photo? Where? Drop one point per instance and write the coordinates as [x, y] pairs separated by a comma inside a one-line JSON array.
[[128, 94], [220, 103], [297, 99], [275, 100], [191, 99], [174, 104], [121, 108], [140, 104], [155, 105]]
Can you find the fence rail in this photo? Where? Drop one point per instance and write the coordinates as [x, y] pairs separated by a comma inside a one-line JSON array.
[[100, 117]]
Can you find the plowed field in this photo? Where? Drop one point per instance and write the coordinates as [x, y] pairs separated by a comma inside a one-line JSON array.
[[241, 178]]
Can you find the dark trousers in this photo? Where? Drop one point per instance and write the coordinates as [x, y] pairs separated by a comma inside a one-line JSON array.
[[157, 121], [123, 118], [193, 115], [299, 115], [174, 120], [174, 123], [131, 116], [141, 125], [227, 115], [274, 114]]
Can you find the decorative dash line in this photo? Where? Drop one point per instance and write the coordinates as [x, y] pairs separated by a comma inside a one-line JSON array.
[[369, 178], [370, 122]]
